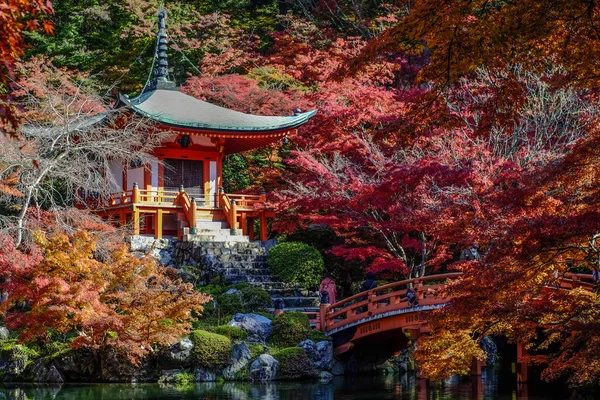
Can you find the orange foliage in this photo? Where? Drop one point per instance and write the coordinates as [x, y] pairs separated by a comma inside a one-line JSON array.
[[126, 303]]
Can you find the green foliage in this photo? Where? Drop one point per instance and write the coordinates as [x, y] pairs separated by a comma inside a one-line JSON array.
[[184, 379], [12, 351], [290, 328], [318, 336], [211, 351], [297, 263], [232, 332], [294, 364], [236, 175], [256, 350], [248, 299]]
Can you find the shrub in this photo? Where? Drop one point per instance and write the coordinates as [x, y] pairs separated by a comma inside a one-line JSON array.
[[232, 332], [211, 351], [294, 364], [184, 379], [297, 263], [290, 328], [255, 299]]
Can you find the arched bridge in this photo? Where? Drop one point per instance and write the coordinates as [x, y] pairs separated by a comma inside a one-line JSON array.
[[380, 322]]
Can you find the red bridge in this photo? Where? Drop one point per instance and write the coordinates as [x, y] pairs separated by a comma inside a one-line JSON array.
[[380, 322]]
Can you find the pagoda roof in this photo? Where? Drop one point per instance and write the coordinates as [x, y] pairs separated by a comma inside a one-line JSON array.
[[179, 110]]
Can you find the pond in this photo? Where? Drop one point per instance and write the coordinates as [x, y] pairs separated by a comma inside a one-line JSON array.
[[491, 386]]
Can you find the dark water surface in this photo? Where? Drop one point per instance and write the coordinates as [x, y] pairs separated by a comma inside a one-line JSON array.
[[405, 387]]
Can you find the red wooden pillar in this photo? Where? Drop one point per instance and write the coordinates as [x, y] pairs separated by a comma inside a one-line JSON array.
[[521, 365], [251, 228], [263, 226], [476, 367]]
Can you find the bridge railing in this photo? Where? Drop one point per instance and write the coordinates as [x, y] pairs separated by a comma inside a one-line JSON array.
[[384, 299]]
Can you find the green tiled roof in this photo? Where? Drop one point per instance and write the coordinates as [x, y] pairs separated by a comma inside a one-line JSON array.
[[175, 108]]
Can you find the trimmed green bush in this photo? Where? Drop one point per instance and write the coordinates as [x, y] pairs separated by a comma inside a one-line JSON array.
[[211, 351], [232, 332], [290, 328], [297, 263], [185, 379], [294, 364], [254, 299]]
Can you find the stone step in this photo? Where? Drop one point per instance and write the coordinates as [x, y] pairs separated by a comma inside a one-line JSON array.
[[268, 286], [227, 255], [298, 309], [300, 302], [212, 225], [230, 252], [290, 292], [249, 270], [247, 278], [207, 244], [218, 238]]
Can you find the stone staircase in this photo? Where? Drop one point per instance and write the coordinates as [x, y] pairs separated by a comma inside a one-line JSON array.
[[238, 260]]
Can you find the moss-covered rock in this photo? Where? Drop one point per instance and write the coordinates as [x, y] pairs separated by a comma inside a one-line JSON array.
[[232, 332], [211, 351], [15, 359], [294, 363], [290, 328]]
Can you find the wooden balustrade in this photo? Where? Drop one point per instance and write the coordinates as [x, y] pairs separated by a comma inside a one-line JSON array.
[[384, 299], [240, 210]]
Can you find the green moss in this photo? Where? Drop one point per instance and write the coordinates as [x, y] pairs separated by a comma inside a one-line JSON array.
[[211, 351], [294, 364], [232, 332], [256, 350], [184, 379], [11, 345], [317, 336], [297, 263], [289, 329], [265, 314]]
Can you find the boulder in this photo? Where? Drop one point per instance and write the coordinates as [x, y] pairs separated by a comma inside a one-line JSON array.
[[337, 368], [76, 365], [325, 352], [257, 326], [403, 360], [203, 375], [240, 357], [264, 368], [140, 243], [13, 362], [491, 350], [320, 354], [325, 377], [178, 355], [42, 372], [4, 333]]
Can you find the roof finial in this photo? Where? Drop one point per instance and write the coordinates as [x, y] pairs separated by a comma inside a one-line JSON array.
[[161, 67], [161, 72]]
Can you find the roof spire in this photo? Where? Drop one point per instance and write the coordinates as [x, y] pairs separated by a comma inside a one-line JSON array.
[[161, 70]]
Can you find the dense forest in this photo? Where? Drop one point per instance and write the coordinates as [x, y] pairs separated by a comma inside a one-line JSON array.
[[442, 127]]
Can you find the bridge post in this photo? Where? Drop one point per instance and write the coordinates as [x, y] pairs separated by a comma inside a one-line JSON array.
[[476, 367], [521, 365], [372, 305]]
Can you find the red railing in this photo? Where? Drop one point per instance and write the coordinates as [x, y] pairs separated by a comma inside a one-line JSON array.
[[384, 299]]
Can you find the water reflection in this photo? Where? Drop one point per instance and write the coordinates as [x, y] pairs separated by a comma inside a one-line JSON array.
[[490, 386]]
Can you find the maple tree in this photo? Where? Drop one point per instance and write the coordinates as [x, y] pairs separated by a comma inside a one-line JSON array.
[[17, 16], [125, 303]]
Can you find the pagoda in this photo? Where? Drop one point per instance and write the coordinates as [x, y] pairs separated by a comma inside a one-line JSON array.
[[180, 191]]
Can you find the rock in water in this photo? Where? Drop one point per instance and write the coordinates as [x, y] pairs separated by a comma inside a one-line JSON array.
[[240, 357], [203, 375], [325, 377], [257, 326], [45, 373], [264, 368], [320, 354], [179, 354]]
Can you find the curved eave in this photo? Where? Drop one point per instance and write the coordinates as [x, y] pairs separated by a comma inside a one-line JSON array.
[[287, 124]]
